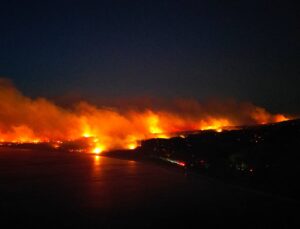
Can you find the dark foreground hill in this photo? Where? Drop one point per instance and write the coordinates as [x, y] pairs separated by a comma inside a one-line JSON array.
[[265, 157]]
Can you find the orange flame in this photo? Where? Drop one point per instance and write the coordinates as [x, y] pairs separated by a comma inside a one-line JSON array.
[[38, 120]]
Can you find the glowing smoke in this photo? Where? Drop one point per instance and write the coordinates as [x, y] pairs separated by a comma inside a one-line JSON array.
[[24, 119]]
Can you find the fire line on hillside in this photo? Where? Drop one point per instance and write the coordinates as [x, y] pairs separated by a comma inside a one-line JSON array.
[[26, 120]]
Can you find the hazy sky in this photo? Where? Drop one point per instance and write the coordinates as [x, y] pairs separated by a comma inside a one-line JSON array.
[[248, 50]]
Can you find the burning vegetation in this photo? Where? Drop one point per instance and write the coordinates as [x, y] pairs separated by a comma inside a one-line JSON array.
[[23, 119]]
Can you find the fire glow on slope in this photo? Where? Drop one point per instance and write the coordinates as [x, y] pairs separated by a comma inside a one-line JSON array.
[[23, 119]]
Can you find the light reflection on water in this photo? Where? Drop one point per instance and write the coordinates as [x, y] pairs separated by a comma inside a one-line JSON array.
[[132, 169], [96, 165], [99, 162], [111, 181], [96, 161]]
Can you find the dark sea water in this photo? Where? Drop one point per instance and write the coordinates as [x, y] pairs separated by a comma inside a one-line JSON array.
[[53, 189]]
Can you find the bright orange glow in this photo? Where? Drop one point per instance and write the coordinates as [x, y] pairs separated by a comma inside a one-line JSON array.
[[153, 122], [97, 159], [280, 118], [23, 119], [164, 136], [214, 124], [98, 149], [96, 140], [132, 146], [86, 135], [261, 116], [97, 165]]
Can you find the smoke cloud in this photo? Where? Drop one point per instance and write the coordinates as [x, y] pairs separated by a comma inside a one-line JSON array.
[[24, 119]]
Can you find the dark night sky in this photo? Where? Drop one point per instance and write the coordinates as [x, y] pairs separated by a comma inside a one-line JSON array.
[[247, 50]]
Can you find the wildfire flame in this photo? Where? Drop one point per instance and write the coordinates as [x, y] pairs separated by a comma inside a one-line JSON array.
[[98, 149], [23, 119]]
